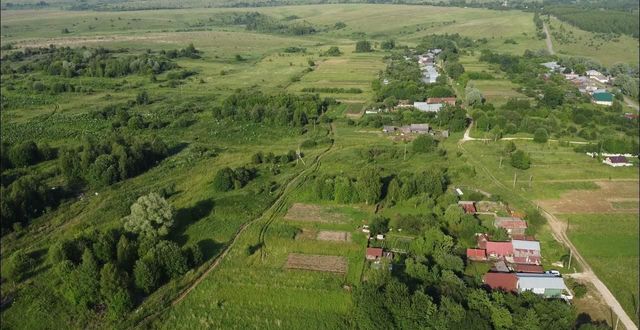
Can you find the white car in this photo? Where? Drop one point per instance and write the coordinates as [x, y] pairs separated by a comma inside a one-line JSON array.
[[553, 272]]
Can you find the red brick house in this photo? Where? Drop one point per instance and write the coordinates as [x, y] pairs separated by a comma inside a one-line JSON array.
[[469, 207]]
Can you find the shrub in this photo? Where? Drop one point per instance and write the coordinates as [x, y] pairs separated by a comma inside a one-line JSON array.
[[520, 160], [18, 265], [363, 46], [540, 135], [424, 143]]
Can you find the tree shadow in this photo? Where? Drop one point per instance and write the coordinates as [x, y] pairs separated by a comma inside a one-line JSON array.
[[209, 248], [584, 318], [189, 215], [177, 148]]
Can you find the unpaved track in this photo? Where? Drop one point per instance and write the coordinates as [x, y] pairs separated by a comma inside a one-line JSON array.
[[548, 39], [558, 230], [275, 209]]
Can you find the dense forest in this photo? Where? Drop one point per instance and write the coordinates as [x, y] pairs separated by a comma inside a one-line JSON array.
[[598, 20]]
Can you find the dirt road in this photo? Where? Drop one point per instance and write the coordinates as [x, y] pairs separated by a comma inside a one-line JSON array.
[[467, 137], [558, 230], [548, 39]]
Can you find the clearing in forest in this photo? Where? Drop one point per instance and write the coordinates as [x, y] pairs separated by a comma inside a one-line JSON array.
[[612, 197], [314, 213], [320, 263]]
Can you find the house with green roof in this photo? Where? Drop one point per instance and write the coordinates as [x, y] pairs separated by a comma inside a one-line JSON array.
[[602, 98]]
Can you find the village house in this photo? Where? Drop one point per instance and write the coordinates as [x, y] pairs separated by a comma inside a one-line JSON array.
[[602, 98], [546, 285], [476, 254], [597, 76], [389, 129], [553, 66], [523, 268], [513, 225], [426, 107], [501, 281], [374, 254], [419, 128], [444, 100], [617, 161], [500, 266], [496, 250], [526, 252], [469, 207]]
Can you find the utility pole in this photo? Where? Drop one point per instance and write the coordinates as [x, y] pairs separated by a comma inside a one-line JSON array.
[[500, 161], [570, 255], [515, 175], [530, 179], [404, 157]]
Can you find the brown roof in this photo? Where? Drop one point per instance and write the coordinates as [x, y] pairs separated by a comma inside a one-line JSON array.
[[501, 281], [374, 252], [499, 249], [510, 223], [617, 159], [523, 237], [468, 207], [449, 100], [520, 268], [476, 254]]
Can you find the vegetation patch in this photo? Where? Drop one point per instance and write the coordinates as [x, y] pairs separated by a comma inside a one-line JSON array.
[[319, 263]]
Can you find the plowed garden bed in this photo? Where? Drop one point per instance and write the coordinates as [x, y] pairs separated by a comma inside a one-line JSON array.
[[320, 263]]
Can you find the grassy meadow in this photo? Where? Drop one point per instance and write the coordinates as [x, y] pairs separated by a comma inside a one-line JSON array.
[[611, 248], [251, 288]]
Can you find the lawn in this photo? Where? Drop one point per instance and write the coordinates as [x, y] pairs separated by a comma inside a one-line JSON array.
[[610, 244]]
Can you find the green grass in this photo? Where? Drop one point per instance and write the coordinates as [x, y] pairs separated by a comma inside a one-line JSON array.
[[584, 44], [610, 244]]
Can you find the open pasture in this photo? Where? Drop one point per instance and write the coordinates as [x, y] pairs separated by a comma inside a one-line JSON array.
[[606, 199], [609, 242], [320, 263]]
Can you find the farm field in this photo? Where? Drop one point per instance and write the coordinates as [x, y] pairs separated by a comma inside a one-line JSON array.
[[266, 167], [609, 242], [576, 42]]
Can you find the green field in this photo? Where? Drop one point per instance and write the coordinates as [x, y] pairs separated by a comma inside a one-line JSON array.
[[251, 287], [610, 244]]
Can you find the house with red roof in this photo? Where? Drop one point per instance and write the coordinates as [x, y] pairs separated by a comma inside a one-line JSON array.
[[374, 253], [526, 252], [469, 207], [476, 254], [499, 249], [513, 225], [501, 281]]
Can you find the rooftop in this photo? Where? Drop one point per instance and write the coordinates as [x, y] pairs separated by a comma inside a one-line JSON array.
[[504, 281], [603, 96], [547, 281], [525, 245]]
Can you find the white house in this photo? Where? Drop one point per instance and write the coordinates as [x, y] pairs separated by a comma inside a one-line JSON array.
[[426, 107], [546, 285]]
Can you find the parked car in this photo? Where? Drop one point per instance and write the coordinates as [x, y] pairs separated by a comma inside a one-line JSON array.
[[553, 272]]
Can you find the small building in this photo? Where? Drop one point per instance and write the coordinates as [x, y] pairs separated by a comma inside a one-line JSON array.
[[419, 128], [469, 207], [501, 281], [476, 254], [513, 225], [374, 253], [552, 66], [617, 161], [602, 98], [426, 107], [444, 100], [546, 285], [501, 267], [499, 249], [631, 116], [526, 252], [597, 76], [389, 129], [523, 268]]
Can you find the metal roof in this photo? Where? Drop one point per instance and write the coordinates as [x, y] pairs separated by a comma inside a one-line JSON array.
[[538, 281], [525, 245]]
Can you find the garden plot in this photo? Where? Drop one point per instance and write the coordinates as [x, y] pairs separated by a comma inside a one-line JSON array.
[[338, 236], [314, 213], [606, 199], [319, 263]]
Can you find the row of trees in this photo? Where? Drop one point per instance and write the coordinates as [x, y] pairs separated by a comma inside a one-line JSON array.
[[227, 179], [25, 154], [370, 187]]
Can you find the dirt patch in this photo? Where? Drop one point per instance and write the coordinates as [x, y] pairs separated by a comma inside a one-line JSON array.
[[314, 213], [338, 236], [307, 234], [319, 263], [603, 200]]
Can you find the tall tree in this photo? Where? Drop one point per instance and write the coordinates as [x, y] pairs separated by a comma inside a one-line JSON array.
[[151, 215]]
